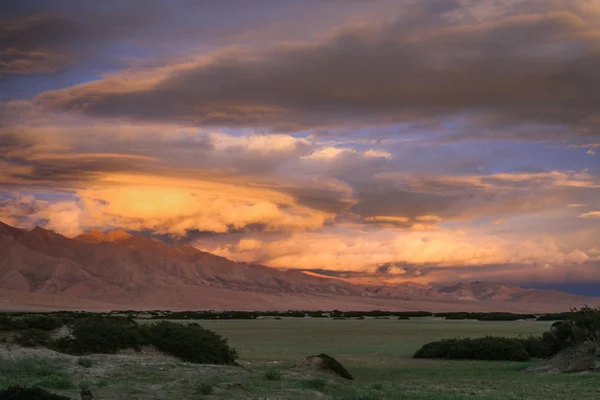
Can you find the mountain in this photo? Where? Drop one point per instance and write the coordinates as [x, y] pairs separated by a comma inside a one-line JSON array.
[[118, 270]]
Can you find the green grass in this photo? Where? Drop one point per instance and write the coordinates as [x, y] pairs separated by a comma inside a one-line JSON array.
[[379, 355], [359, 342], [47, 373], [314, 384]]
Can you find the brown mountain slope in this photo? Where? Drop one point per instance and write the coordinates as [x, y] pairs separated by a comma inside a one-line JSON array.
[[134, 271]]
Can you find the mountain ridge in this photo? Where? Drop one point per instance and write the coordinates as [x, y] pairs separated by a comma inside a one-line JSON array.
[[122, 269]]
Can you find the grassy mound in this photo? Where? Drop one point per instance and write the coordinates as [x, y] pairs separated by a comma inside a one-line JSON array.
[[326, 363]]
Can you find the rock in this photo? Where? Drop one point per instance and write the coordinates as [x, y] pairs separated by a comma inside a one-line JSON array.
[[325, 363], [581, 358]]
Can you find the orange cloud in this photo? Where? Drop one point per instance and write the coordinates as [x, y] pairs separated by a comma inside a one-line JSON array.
[[591, 214], [351, 251]]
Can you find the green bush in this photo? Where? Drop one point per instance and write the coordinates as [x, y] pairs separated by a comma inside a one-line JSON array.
[[555, 317], [85, 362], [29, 393], [585, 325], [204, 388], [101, 335], [582, 325], [486, 348], [534, 346], [492, 316], [39, 322], [6, 323], [189, 342], [86, 394], [505, 317], [32, 338], [42, 322], [273, 375]]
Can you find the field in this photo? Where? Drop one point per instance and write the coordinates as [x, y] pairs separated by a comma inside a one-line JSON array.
[[376, 351]]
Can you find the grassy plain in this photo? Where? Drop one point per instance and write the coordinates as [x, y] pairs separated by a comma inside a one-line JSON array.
[[377, 352]]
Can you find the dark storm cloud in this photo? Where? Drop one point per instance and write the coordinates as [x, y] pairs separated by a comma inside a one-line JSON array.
[[433, 62], [38, 36], [46, 42]]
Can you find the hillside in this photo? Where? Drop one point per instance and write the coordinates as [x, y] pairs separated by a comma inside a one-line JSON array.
[[120, 270]]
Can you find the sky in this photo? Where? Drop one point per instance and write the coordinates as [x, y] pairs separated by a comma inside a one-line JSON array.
[[376, 140]]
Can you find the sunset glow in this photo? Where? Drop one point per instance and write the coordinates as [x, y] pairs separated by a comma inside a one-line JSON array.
[[372, 141]]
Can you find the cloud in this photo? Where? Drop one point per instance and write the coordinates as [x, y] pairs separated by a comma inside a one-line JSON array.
[[423, 140], [66, 152], [377, 153], [327, 153], [167, 206], [39, 38], [25, 211], [531, 69], [25, 42], [590, 215], [415, 252]]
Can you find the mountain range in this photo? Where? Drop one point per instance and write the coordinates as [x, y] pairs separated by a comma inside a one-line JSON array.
[[116, 270]]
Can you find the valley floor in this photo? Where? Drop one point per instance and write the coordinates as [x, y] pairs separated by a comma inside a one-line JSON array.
[[377, 352]]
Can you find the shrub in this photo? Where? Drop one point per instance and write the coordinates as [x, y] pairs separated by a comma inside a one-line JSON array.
[[581, 326], [486, 348], [534, 346], [32, 338], [585, 325], [273, 375], [505, 317], [101, 335], [190, 343], [204, 388], [86, 394], [85, 362], [42, 322], [555, 317], [39, 322], [29, 393], [492, 316], [97, 334], [6, 323]]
